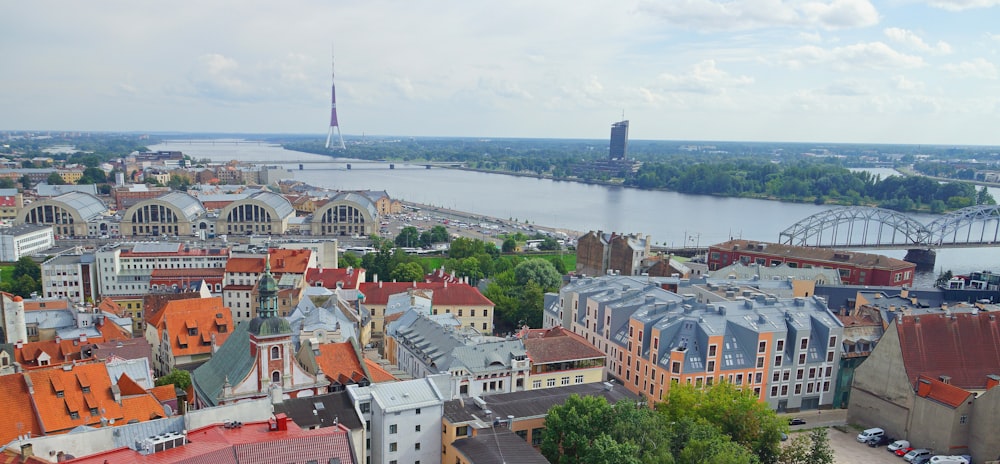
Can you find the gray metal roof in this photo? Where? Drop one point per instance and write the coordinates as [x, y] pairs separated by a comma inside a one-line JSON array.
[[280, 204], [46, 190], [358, 199], [409, 394], [88, 206], [232, 362], [187, 204]]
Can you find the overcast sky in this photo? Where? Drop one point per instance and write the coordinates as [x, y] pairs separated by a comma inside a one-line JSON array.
[[898, 71]]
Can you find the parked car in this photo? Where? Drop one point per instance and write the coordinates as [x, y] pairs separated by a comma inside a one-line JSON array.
[[868, 434], [922, 459], [909, 457], [897, 445], [880, 441], [903, 451], [796, 421], [941, 459]]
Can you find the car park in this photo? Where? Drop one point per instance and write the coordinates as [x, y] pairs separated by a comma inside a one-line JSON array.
[[897, 445], [913, 454], [868, 434]]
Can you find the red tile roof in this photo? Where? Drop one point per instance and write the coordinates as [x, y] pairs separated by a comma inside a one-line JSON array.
[[7, 200], [557, 345], [941, 392], [164, 392], [448, 294], [282, 261], [377, 373], [15, 402], [340, 363], [204, 272], [963, 346], [204, 316], [82, 388], [329, 278], [153, 304]]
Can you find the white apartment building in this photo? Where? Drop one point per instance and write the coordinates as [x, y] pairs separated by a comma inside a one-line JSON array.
[[126, 270], [402, 419], [73, 277], [24, 240]]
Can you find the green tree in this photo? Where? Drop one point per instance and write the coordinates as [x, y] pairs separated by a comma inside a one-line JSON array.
[[426, 240], [439, 234], [96, 176], [943, 278], [7, 183], [348, 260], [25, 181], [55, 179], [408, 237], [469, 267], [177, 377], [509, 245], [539, 271], [408, 272], [808, 448], [25, 266]]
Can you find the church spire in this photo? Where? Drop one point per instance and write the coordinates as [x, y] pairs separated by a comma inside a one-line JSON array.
[[267, 292]]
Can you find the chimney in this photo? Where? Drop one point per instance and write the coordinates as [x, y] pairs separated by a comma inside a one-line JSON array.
[[992, 380], [945, 379], [116, 393], [379, 283], [904, 292], [923, 387], [83, 338], [27, 451]]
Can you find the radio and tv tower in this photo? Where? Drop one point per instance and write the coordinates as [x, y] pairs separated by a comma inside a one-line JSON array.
[[333, 111]]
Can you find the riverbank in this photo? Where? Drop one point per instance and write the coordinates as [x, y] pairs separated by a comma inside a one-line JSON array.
[[476, 221]]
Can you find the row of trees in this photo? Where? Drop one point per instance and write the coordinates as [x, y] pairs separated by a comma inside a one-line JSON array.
[[720, 425], [821, 182], [27, 278]]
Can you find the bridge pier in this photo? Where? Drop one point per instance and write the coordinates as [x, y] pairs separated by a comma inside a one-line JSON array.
[[922, 257], [392, 166], [301, 167], [348, 166]]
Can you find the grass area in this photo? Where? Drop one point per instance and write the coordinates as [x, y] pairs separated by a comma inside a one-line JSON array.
[[6, 273]]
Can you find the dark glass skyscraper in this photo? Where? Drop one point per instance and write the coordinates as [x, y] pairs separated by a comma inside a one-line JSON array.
[[619, 140]]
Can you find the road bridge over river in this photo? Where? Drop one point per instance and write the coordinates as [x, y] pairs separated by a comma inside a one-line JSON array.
[[868, 227]]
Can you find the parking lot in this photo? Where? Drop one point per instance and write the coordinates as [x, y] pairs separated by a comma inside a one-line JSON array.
[[847, 450]]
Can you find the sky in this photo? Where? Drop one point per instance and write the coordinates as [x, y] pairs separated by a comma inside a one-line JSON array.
[[851, 71]]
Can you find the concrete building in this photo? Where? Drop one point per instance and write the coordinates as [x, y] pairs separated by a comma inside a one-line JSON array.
[[72, 214], [855, 268], [127, 196], [785, 350], [598, 253], [260, 213], [932, 379], [24, 240], [244, 272], [619, 141], [126, 270], [44, 190], [346, 214], [462, 300], [172, 214], [11, 202], [73, 277], [404, 418]]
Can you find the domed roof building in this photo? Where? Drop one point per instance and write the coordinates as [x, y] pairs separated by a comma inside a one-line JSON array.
[[168, 214]]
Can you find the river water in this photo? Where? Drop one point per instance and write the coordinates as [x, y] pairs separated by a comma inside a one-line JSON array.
[[672, 219]]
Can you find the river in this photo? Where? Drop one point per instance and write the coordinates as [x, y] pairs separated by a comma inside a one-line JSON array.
[[672, 219]]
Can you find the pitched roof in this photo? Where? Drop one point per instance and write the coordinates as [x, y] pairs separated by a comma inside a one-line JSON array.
[[83, 391], [15, 401], [556, 344], [329, 278], [164, 392], [377, 374], [340, 362], [449, 294], [231, 362], [282, 261], [191, 323], [963, 346], [941, 392], [153, 304], [497, 446]]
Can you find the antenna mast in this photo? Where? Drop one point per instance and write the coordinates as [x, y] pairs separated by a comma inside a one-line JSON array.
[[334, 124]]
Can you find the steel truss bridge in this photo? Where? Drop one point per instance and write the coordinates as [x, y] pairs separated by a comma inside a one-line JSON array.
[[868, 227]]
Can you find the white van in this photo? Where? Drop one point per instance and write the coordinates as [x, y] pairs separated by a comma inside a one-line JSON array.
[[949, 460], [868, 434], [898, 444]]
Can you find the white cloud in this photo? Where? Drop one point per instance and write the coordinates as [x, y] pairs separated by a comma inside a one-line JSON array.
[[912, 40], [900, 82], [716, 15], [704, 78], [959, 5], [977, 68], [847, 89], [871, 55]]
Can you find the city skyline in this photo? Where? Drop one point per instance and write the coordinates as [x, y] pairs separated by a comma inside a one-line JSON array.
[[839, 71]]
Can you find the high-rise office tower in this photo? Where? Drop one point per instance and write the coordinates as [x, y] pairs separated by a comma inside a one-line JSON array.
[[619, 140]]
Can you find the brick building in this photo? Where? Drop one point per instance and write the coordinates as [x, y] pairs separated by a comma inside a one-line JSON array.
[[855, 268], [599, 253]]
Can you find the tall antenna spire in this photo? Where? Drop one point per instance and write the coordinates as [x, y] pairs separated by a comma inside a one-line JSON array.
[[334, 124]]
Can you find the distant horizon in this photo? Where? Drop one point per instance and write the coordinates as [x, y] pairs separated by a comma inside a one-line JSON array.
[[348, 137]]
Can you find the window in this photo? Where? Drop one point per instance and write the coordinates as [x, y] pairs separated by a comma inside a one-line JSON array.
[[761, 347], [802, 358], [760, 362], [774, 391], [777, 361], [417, 428], [74, 415], [804, 344], [578, 379], [776, 377], [963, 419], [780, 346], [275, 353], [829, 356], [711, 350], [565, 381], [418, 410], [675, 367], [416, 446], [711, 366], [550, 382], [393, 447], [392, 428], [798, 389], [799, 373], [536, 384], [276, 377], [833, 342], [366, 407], [812, 372], [784, 390]]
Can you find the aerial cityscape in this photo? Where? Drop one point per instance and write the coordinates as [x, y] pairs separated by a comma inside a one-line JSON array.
[[691, 232]]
